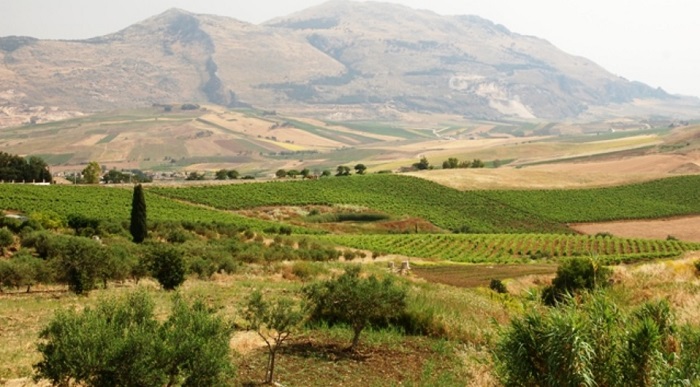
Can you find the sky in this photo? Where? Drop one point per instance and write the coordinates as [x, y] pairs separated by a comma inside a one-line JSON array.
[[650, 41]]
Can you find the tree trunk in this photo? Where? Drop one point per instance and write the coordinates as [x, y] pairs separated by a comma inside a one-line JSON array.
[[356, 337], [270, 367]]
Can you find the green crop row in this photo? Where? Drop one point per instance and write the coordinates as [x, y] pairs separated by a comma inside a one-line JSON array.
[[655, 199], [391, 194], [113, 203], [513, 247]]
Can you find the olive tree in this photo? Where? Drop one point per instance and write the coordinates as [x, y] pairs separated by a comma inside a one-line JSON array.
[[120, 342], [274, 321], [356, 301]]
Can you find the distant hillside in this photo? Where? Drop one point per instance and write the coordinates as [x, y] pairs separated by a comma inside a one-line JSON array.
[[361, 60]]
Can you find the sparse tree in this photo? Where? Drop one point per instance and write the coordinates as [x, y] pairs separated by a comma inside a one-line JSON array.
[[293, 173], [356, 301], [232, 174], [342, 170], [274, 321], [138, 227], [422, 164], [221, 174], [450, 163], [92, 173], [305, 173], [281, 173], [325, 173], [360, 169], [477, 163], [195, 176]]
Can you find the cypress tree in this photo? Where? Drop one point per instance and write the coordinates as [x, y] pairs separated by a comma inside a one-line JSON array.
[[138, 215]]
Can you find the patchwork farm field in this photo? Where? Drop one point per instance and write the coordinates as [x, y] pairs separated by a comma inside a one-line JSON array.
[[283, 237]]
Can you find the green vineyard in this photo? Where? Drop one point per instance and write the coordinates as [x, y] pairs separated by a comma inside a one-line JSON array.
[[517, 211], [508, 248], [99, 202], [392, 194]]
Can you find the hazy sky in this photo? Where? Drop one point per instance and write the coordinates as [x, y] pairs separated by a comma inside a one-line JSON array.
[[651, 41]]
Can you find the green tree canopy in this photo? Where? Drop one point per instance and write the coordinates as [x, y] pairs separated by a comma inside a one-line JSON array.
[[92, 173], [122, 343], [360, 169], [16, 168], [356, 301]]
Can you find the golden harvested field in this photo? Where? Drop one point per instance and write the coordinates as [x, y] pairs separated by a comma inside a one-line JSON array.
[[568, 175]]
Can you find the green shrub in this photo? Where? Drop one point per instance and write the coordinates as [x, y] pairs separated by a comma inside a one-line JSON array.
[[497, 286], [574, 275], [307, 270], [167, 265], [121, 343], [356, 301], [7, 239], [595, 343]]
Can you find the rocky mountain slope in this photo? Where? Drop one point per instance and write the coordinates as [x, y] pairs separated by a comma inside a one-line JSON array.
[[372, 58]]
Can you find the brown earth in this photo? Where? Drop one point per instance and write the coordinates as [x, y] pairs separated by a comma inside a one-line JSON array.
[[683, 228]]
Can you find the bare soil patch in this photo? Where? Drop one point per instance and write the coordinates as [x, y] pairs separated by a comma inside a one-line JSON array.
[[684, 228]]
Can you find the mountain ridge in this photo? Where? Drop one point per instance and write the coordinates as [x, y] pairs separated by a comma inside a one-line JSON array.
[[372, 58]]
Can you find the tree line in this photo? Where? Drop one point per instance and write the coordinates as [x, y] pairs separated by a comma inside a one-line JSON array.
[[19, 169]]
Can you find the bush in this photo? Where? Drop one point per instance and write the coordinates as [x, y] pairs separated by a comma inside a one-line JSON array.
[[121, 343], [7, 239], [307, 270], [167, 265], [574, 275], [497, 286]]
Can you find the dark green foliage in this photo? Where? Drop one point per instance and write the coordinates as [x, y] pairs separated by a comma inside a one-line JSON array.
[[274, 321], [360, 169], [697, 266], [195, 176], [16, 168], [497, 286], [342, 170], [23, 271], [138, 226], [281, 173], [78, 262], [574, 275], [356, 301], [167, 265], [595, 344], [121, 343], [422, 164], [7, 239]]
